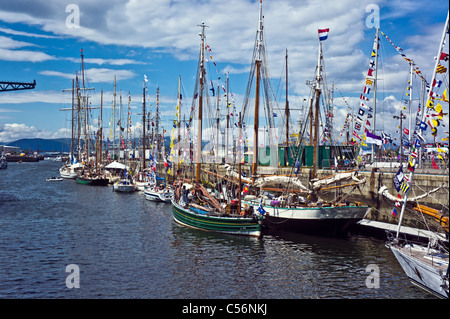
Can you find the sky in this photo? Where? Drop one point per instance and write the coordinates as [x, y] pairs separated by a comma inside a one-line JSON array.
[[41, 40]]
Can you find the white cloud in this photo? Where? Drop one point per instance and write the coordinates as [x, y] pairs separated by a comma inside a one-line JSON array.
[[31, 96], [96, 75], [24, 55], [27, 34], [15, 131], [101, 61]]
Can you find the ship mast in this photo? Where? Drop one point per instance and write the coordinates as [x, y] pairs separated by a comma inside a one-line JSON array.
[[143, 126], [424, 115], [259, 42], [287, 103], [179, 124], [375, 89], [317, 91], [200, 104]]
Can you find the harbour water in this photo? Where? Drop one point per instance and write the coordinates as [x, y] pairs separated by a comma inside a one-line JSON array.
[[125, 246]]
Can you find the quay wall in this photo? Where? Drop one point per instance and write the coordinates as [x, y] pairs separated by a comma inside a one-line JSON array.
[[367, 193]]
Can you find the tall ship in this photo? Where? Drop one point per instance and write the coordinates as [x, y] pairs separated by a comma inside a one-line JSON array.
[[285, 208], [192, 204]]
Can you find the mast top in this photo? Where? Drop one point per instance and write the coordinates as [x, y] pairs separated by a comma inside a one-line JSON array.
[[259, 36]]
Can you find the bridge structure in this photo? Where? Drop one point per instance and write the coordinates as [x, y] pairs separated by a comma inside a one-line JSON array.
[[16, 86]]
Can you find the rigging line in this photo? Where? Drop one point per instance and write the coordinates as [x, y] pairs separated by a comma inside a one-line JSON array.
[[436, 199]]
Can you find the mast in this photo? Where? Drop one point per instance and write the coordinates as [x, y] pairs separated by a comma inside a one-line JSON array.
[[200, 104], [73, 106], [86, 134], [430, 97], [78, 118], [120, 123], [228, 127], [410, 98], [114, 120], [316, 112], [287, 103], [216, 152], [143, 127], [375, 89], [128, 124], [179, 124], [259, 41], [100, 139], [158, 135]]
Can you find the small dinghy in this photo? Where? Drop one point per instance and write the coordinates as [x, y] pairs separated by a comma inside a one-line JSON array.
[[54, 179]]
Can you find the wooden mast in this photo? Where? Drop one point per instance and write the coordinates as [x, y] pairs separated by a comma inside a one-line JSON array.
[[114, 120], [228, 127], [86, 133], [200, 105], [259, 40], [316, 112], [287, 103], [143, 127], [375, 91], [100, 138], [179, 124]]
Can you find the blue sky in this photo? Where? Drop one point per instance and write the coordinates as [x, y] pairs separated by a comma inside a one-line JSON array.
[[159, 38]]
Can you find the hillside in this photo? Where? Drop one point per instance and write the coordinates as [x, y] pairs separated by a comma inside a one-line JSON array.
[[42, 145], [53, 145]]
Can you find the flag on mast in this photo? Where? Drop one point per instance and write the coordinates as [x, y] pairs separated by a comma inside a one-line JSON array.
[[323, 34]]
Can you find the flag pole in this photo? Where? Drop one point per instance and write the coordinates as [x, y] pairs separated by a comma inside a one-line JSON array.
[[375, 91], [411, 173]]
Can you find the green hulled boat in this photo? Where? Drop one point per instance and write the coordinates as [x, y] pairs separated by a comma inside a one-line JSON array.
[[83, 180], [194, 217], [94, 181]]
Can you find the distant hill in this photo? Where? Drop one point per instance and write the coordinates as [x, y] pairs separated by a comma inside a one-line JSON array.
[[43, 145], [54, 145]]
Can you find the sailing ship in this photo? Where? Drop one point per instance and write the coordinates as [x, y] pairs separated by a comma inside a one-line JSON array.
[[92, 173], [283, 208], [71, 168], [426, 266], [192, 204]]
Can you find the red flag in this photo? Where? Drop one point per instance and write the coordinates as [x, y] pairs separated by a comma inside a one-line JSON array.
[[434, 163], [444, 56]]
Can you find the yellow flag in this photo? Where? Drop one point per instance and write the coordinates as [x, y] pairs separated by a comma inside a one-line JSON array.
[[444, 96], [439, 155], [440, 150], [430, 104], [363, 144]]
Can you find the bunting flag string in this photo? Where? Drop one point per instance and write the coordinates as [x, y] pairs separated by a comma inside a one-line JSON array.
[[399, 50], [364, 109]]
